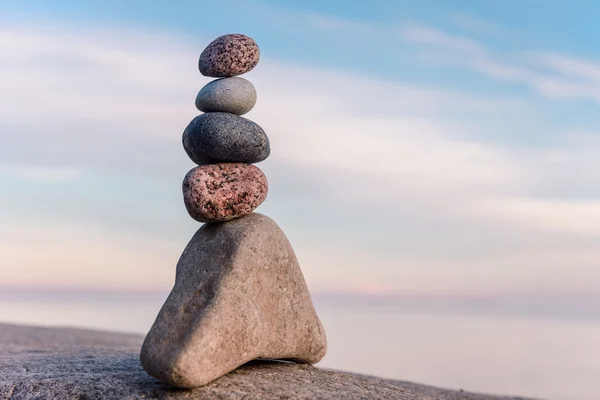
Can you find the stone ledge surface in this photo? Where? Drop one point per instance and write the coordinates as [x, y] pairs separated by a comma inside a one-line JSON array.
[[66, 363]]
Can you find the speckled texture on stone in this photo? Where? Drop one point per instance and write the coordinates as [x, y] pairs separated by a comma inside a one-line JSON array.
[[221, 192], [239, 295], [229, 55], [231, 95], [75, 364], [222, 137]]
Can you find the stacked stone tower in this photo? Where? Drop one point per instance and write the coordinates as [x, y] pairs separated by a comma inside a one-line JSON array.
[[239, 293], [225, 186]]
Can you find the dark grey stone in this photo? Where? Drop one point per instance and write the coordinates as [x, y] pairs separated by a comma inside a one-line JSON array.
[[75, 364], [239, 295], [217, 137], [231, 95]]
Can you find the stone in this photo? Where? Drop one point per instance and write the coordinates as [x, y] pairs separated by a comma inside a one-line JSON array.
[[231, 95], [229, 55], [239, 295], [221, 192], [222, 137], [74, 364]]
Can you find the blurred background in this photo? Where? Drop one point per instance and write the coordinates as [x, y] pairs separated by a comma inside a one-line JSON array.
[[434, 164]]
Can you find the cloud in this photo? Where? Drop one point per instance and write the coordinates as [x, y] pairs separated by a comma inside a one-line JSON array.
[[481, 26], [336, 24], [381, 185], [569, 66], [42, 174], [423, 34], [68, 255], [554, 76]]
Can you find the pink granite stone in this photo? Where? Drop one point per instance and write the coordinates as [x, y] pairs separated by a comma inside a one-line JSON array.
[[221, 192], [229, 55]]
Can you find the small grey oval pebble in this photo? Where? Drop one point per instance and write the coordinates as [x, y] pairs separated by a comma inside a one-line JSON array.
[[229, 55], [231, 95], [219, 137]]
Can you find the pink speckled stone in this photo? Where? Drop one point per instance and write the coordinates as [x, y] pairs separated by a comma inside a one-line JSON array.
[[221, 192], [229, 55]]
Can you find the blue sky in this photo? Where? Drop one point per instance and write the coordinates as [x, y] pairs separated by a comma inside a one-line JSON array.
[[422, 147]]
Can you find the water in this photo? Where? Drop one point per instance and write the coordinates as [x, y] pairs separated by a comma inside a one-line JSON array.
[[443, 344]]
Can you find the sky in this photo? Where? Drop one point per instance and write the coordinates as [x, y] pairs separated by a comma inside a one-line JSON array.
[[417, 147]]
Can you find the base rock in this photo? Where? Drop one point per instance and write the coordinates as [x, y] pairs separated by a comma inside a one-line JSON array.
[[239, 295]]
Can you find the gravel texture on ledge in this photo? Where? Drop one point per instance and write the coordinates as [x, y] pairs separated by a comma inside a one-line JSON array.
[[66, 363]]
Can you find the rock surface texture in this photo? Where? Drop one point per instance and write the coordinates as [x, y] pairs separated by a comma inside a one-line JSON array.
[[231, 95], [218, 137], [73, 364], [229, 55], [221, 192], [239, 295]]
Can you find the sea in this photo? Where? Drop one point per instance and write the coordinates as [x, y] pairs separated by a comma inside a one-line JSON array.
[[546, 348]]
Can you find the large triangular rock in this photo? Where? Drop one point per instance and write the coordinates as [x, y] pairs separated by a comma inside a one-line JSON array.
[[239, 294]]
